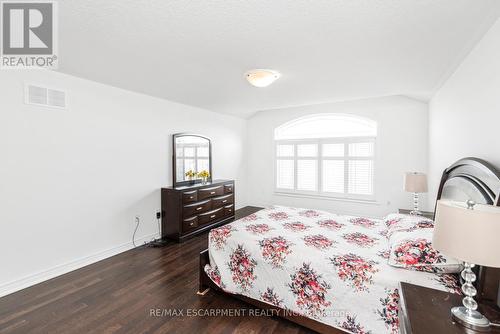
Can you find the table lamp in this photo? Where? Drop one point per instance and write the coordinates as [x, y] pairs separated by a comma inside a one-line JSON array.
[[468, 232], [415, 183]]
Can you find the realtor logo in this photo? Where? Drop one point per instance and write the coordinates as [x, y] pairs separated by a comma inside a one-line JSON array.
[[28, 34]]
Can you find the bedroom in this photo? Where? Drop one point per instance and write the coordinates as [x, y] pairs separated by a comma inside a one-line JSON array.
[[96, 219]]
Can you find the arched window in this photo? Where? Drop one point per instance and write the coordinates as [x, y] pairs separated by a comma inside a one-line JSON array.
[[326, 154]]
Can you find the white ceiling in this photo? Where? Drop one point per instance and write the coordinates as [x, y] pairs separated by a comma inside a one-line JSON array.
[[196, 51]]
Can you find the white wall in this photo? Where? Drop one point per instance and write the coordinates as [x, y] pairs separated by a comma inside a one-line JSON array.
[[465, 112], [401, 146], [72, 181]]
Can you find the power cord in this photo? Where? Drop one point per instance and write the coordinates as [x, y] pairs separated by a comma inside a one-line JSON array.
[[154, 241], [158, 218], [157, 242], [138, 221]]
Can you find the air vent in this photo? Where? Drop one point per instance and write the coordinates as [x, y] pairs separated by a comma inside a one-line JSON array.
[[43, 96]]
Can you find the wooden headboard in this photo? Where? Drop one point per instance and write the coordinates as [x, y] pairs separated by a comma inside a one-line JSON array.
[[478, 180]]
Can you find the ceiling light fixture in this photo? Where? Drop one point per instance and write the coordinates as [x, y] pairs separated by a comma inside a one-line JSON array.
[[261, 77]]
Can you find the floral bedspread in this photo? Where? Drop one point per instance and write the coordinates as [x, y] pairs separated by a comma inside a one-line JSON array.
[[328, 267]]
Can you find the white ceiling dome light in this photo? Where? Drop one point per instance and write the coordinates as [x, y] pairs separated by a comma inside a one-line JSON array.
[[262, 77]]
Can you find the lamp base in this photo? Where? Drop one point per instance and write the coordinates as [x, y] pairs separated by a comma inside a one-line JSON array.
[[473, 319]]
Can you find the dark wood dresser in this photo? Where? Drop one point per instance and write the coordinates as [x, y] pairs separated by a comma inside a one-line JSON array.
[[189, 210]]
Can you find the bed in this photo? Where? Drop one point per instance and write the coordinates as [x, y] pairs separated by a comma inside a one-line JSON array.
[[325, 271]]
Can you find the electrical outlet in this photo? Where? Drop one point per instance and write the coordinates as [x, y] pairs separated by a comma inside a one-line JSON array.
[[137, 219], [158, 214]]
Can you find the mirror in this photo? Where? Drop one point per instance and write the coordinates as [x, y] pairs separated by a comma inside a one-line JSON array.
[[192, 154]]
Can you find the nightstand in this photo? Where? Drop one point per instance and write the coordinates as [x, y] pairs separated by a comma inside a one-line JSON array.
[[423, 311], [426, 214]]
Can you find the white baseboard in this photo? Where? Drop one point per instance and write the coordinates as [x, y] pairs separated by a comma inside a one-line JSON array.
[[27, 281]]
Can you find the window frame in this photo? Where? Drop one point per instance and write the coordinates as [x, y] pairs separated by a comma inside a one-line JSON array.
[[319, 158]]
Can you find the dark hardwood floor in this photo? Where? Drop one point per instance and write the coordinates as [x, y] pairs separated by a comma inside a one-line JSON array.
[[122, 293]]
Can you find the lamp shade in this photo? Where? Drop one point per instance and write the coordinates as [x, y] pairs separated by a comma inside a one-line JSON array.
[[470, 235], [415, 182]]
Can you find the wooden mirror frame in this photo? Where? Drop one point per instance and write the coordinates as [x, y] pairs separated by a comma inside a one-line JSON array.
[[176, 183]]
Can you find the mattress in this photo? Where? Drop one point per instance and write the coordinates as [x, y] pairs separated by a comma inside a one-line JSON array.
[[328, 267]]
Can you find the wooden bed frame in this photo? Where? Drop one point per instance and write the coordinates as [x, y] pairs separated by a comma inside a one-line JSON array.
[[468, 178]]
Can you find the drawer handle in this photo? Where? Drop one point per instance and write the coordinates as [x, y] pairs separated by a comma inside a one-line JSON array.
[[191, 197], [229, 210], [212, 193], [198, 209], [212, 216], [224, 201], [191, 224]]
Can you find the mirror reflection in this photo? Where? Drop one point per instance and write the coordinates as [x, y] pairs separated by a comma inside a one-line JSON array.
[[192, 158]]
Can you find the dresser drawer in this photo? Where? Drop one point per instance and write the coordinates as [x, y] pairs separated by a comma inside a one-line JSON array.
[[228, 188], [190, 196], [196, 208], [210, 192], [229, 210], [189, 224], [218, 202], [210, 216]]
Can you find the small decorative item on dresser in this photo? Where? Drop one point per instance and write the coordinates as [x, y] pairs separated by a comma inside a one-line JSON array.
[[190, 174], [468, 233], [204, 174], [415, 183]]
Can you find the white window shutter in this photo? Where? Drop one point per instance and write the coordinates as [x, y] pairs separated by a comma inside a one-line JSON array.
[[333, 176], [328, 155], [285, 174], [360, 176], [307, 175]]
